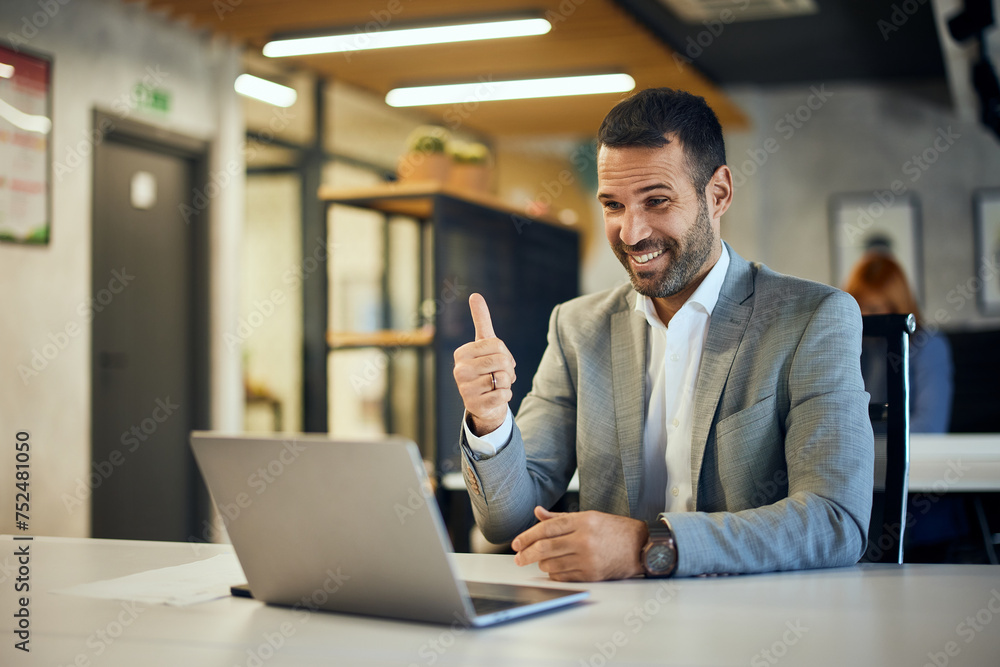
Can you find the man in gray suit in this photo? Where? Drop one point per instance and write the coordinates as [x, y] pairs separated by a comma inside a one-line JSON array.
[[714, 409]]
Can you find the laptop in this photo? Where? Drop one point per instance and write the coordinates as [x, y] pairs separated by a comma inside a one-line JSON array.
[[349, 526]]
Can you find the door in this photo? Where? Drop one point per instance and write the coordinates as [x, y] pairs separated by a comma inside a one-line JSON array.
[[145, 299]]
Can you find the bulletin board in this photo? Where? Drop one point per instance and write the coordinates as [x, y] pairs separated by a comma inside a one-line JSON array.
[[25, 146]]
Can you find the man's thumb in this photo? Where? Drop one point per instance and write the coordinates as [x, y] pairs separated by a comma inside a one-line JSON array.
[[481, 317], [543, 514]]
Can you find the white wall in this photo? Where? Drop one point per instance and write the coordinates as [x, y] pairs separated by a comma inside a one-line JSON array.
[[861, 139], [101, 50]]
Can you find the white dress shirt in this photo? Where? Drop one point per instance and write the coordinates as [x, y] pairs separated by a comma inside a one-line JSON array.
[[673, 358]]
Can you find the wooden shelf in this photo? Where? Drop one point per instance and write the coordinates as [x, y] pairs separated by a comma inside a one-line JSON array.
[[347, 340], [417, 199]]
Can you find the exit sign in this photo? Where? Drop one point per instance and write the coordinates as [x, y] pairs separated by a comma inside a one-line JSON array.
[[152, 98]]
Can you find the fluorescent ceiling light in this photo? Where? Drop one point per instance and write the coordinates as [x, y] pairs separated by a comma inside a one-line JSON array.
[[6, 71], [265, 91], [487, 91], [24, 121], [388, 39]]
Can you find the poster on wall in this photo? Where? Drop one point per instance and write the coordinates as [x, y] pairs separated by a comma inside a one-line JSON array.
[[987, 217], [882, 222], [25, 132]]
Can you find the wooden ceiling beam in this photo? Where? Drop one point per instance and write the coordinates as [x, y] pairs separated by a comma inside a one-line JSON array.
[[595, 36], [309, 14]]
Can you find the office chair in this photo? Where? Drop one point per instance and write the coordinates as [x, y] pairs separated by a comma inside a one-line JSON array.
[[885, 365]]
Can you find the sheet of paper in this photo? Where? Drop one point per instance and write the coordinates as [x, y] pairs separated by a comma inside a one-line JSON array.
[[178, 585]]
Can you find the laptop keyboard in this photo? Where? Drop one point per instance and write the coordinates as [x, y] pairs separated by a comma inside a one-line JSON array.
[[485, 606]]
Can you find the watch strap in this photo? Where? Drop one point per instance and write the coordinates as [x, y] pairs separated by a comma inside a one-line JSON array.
[[660, 528]]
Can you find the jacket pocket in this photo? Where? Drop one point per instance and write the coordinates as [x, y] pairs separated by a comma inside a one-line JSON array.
[[747, 418], [750, 452]]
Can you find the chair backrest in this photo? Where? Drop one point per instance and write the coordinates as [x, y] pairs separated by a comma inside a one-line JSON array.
[[885, 366]]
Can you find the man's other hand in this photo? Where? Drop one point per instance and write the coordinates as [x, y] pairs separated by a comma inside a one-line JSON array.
[[582, 546], [477, 366]]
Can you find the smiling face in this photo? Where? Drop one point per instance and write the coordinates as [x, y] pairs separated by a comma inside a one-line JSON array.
[[664, 232]]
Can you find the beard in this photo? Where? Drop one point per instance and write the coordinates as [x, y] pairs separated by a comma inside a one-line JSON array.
[[686, 259]]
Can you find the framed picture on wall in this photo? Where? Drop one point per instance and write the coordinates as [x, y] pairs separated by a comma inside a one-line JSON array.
[[987, 268], [25, 146], [881, 221]]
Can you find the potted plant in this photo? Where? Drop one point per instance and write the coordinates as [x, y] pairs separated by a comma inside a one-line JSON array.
[[470, 166], [425, 158]]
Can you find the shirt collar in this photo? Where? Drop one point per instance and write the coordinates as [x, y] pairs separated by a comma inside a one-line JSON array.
[[706, 295]]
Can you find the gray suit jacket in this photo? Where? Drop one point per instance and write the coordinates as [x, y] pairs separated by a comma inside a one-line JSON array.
[[782, 446]]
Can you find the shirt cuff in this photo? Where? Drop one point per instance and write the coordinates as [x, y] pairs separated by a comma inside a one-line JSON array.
[[489, 445]]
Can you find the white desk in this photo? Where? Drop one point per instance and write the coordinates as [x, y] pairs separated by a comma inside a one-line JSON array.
[[865, 615], [953, 462]]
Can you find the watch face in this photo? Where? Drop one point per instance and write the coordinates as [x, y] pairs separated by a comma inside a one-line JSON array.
[[660, 558]]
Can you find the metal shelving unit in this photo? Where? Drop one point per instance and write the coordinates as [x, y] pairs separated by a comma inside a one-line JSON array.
[[524, 265]]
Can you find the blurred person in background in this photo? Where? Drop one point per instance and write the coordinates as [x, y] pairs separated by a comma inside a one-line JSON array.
[[880, 287]]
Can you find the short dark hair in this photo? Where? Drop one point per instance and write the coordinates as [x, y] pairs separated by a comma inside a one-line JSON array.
[[644, 118]]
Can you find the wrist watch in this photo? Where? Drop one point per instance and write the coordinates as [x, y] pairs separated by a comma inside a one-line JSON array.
[[659, 556]]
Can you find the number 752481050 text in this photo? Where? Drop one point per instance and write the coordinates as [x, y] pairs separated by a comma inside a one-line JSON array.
[[22, 479]]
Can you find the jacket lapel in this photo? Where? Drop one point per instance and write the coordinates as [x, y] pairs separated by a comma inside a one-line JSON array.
[[628, 381], [725, 331]]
